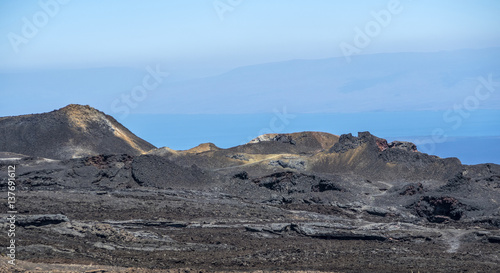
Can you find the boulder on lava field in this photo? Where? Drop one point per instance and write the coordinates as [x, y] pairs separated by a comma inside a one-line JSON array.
[[440, 209]]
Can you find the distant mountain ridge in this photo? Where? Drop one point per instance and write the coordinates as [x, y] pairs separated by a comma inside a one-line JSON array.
[[401, 81], [376, 82]]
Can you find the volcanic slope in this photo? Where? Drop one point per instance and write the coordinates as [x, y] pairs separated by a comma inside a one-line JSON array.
[[72, 131]]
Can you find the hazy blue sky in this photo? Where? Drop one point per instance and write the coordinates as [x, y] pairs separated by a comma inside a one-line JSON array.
[[193, 35], [101, 53]]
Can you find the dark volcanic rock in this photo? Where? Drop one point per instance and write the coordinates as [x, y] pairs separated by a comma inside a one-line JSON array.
[[440, 209], [102, 172], [291, 164], [238, 157], [457, 183], [41, 220], [288, 139], [281, 182], [412, 189], [348, 142], [242, 175], [327, 185], [404, 145], [292, 182], [160, 172]]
